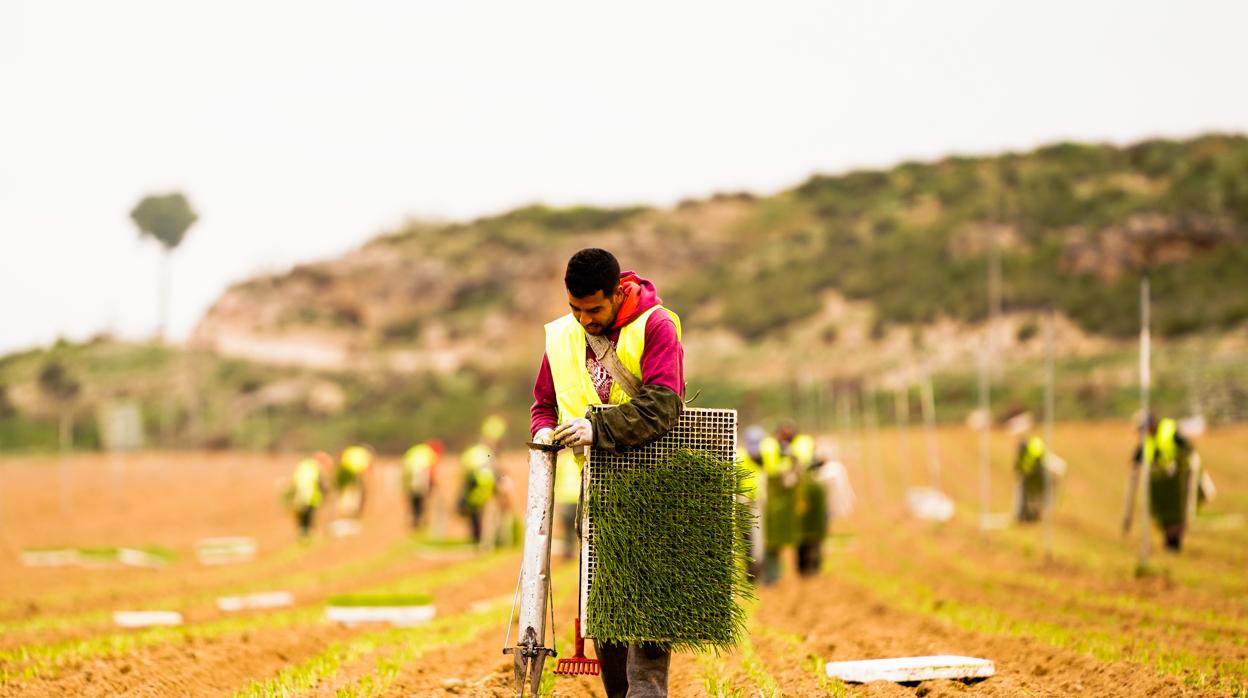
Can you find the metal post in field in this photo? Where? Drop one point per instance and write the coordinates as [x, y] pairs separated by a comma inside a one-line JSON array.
[[1048, 433], [901, 408], [1145, 389], [985, 444], [929, 419]]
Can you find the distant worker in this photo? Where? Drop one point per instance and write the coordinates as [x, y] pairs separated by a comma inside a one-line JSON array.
[[479, 483], [1176, 484], [353, 470], [307, 489], [786, 458], [419, 475], [618, 346], [750, 455], [1036, 470]]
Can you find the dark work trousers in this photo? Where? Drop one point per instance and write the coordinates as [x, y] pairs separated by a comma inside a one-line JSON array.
[[809, 558], [638, 670], [474, 523], [304, 517], [417, 502]]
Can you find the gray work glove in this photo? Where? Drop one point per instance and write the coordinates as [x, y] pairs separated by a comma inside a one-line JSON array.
[[575, 432], [545, 435]]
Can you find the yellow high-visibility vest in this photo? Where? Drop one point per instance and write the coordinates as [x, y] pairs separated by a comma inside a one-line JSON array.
[[416, 464], [749, 483], [307, 481], [1032, 455], [1161, 451], [801, 454], [565, 352], [356, 459]]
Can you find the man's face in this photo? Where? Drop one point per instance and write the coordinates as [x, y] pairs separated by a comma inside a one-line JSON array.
[[596, 312]]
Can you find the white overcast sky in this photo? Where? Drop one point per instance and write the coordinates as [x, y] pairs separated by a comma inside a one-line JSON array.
[[301, 129]]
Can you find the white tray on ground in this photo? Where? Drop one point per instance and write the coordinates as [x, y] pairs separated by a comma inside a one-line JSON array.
[[263, 599], [139, 558], [345, 528], [225, 550], [62, 557], [394, 615], [146, 619], [904, 669], [929, 504]]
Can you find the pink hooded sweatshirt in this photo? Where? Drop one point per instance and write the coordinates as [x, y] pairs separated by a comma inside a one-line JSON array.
[[662, 363]]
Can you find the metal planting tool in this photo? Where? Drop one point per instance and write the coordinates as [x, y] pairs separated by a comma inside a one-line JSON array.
[[533, 589]]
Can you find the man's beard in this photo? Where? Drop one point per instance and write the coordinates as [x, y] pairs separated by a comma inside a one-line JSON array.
[[605, 328]]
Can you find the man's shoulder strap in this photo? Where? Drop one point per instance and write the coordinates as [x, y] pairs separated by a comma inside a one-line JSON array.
[[604, 351]]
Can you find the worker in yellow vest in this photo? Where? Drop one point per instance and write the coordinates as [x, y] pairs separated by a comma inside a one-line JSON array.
[[307, 489], [353, 470], [754, 485], [568, 500], [1176, 484], [1031, 473], [419, 474], [618, 346], [787, 459], [479, 483]]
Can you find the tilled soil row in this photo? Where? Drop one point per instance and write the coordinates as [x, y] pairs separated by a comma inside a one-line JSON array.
[[313, 587], [840, 621], [213, 665]]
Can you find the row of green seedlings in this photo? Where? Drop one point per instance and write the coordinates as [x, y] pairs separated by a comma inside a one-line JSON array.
[[1044, 595], [258, 582], [1077, 598], [104, 591], [45, 660], [1107, 646], [395, 648]]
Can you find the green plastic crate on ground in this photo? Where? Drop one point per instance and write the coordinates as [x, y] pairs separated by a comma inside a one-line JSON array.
[[670, 552]]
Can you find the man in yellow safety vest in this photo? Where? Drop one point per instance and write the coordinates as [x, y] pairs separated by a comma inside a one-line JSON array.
[[1175, 481], [307, 489], [353, 469], [480, 484], [618, 346], [787, 458], [419, 474]]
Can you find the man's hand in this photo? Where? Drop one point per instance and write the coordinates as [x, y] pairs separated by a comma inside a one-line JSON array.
[[575, 432], [544, 436]]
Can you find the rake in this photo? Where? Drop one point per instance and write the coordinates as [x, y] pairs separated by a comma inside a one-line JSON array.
[[578, 663]]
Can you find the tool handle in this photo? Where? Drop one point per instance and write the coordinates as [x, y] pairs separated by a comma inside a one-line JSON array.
[[580, 641]]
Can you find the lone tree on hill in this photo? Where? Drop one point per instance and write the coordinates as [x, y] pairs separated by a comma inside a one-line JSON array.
[[166, 218], [61, 388]]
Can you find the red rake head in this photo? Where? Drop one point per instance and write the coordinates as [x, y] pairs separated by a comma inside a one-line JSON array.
[[577, 663], [571, 666]]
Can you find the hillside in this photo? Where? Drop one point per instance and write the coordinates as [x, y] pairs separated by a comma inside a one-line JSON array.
[[839, 260], [856, 282]]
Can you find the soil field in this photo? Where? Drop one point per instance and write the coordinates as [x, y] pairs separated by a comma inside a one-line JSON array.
[[1081, 622]]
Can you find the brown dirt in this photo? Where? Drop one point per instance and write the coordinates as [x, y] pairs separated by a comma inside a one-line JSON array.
[[892, 587]]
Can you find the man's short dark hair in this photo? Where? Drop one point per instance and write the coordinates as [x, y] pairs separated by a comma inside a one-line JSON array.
[[592, 270]]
